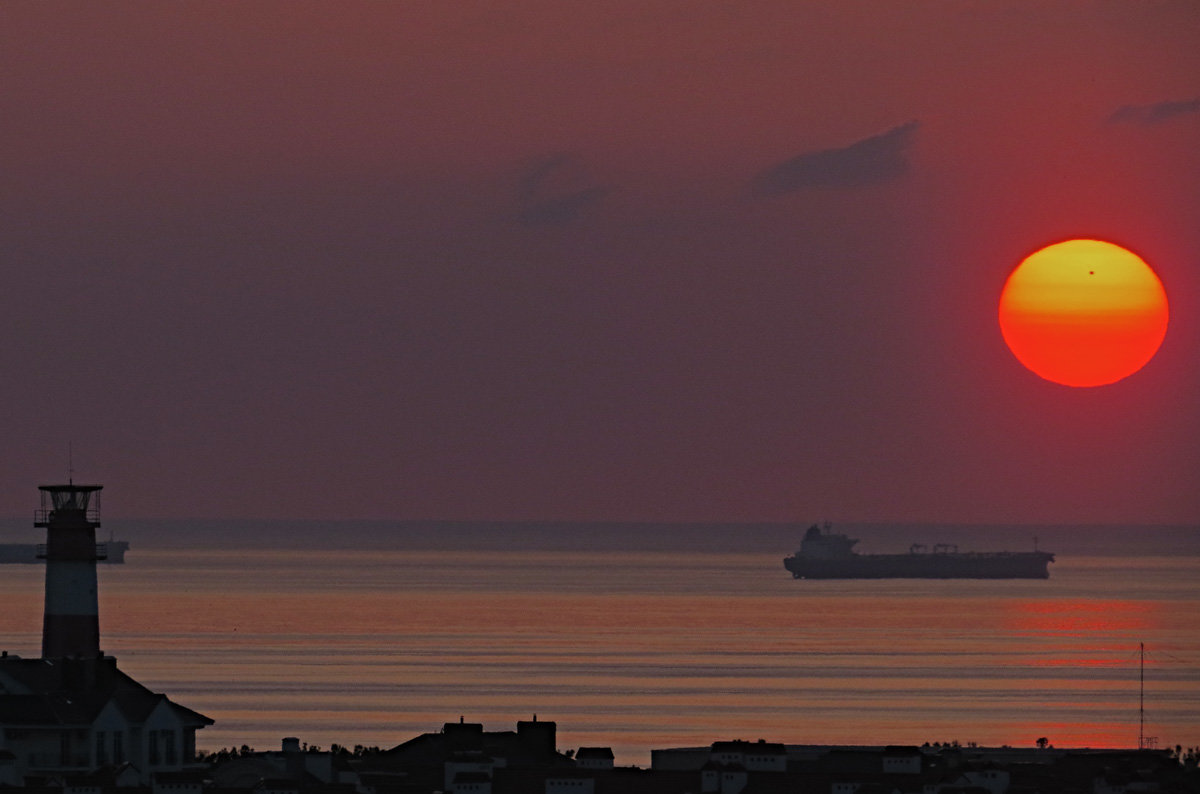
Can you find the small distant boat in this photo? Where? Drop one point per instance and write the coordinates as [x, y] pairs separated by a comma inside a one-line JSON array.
[[827, 555], [110, 551]]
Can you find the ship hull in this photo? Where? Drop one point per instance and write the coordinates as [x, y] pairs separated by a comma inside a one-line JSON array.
[[19, 553], [1002, 565], [112, 552]]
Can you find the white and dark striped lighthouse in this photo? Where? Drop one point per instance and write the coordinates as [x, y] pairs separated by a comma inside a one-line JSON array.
[[71, 625]]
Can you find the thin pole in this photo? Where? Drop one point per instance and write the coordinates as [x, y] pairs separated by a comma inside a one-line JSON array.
[[1142, 696]]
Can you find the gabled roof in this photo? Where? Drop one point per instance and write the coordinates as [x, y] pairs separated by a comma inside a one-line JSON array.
[[74, 691], [136, 704]]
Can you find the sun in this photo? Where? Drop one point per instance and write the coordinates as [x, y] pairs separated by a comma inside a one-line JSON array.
[[1083, 312]]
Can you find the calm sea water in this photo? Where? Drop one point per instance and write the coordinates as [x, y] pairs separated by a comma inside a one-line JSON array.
[[642, 636]]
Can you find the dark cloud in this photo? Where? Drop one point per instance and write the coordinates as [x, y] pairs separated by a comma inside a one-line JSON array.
[[1155, 113], [880, 158], [556, 191]]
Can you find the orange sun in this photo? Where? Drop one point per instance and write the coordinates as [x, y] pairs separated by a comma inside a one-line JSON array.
[[1083, 312]]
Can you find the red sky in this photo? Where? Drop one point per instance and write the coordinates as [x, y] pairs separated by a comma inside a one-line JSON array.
[[545, 260]]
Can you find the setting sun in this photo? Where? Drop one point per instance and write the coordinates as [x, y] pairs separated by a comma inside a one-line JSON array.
[[1083, 313]]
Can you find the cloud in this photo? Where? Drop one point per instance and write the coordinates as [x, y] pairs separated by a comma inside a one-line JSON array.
[[556, 191], [1155, 113], [880, 158]]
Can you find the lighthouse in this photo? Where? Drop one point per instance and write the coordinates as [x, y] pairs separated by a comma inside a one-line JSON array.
[[71, 623], [73, 710]]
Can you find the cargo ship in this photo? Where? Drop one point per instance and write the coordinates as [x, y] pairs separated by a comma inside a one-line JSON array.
[[827, 555], [110, 551]]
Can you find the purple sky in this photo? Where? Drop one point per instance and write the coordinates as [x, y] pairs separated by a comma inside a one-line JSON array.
[[628, 260]]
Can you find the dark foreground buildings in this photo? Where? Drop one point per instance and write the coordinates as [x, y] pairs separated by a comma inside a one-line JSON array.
[[463, 758], [72, 722]]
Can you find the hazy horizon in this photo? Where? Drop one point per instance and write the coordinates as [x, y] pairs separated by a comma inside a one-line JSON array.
[[582, 536]]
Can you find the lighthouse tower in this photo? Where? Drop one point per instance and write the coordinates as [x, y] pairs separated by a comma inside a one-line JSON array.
[[71, 625]]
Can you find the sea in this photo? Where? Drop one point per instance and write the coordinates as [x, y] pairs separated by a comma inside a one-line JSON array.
[[640, 636]]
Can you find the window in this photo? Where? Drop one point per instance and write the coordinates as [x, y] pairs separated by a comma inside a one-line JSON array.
[[118, 747], [169, 741], [101, 749], [153, 748]]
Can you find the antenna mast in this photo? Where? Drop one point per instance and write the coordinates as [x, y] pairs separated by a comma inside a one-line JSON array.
[[1142, 696], [1144, 742]]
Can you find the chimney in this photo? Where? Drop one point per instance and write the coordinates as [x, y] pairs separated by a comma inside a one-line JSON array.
[[293, 759], [536, 739], [463, 736]]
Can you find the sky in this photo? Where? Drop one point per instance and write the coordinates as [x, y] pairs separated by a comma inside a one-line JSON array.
[[645, 260]]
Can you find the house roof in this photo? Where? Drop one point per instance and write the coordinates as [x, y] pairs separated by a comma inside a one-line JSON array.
[[741, 746], [26, 710], [594, 752], [74, 691], [18, 675], [432, 749]]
